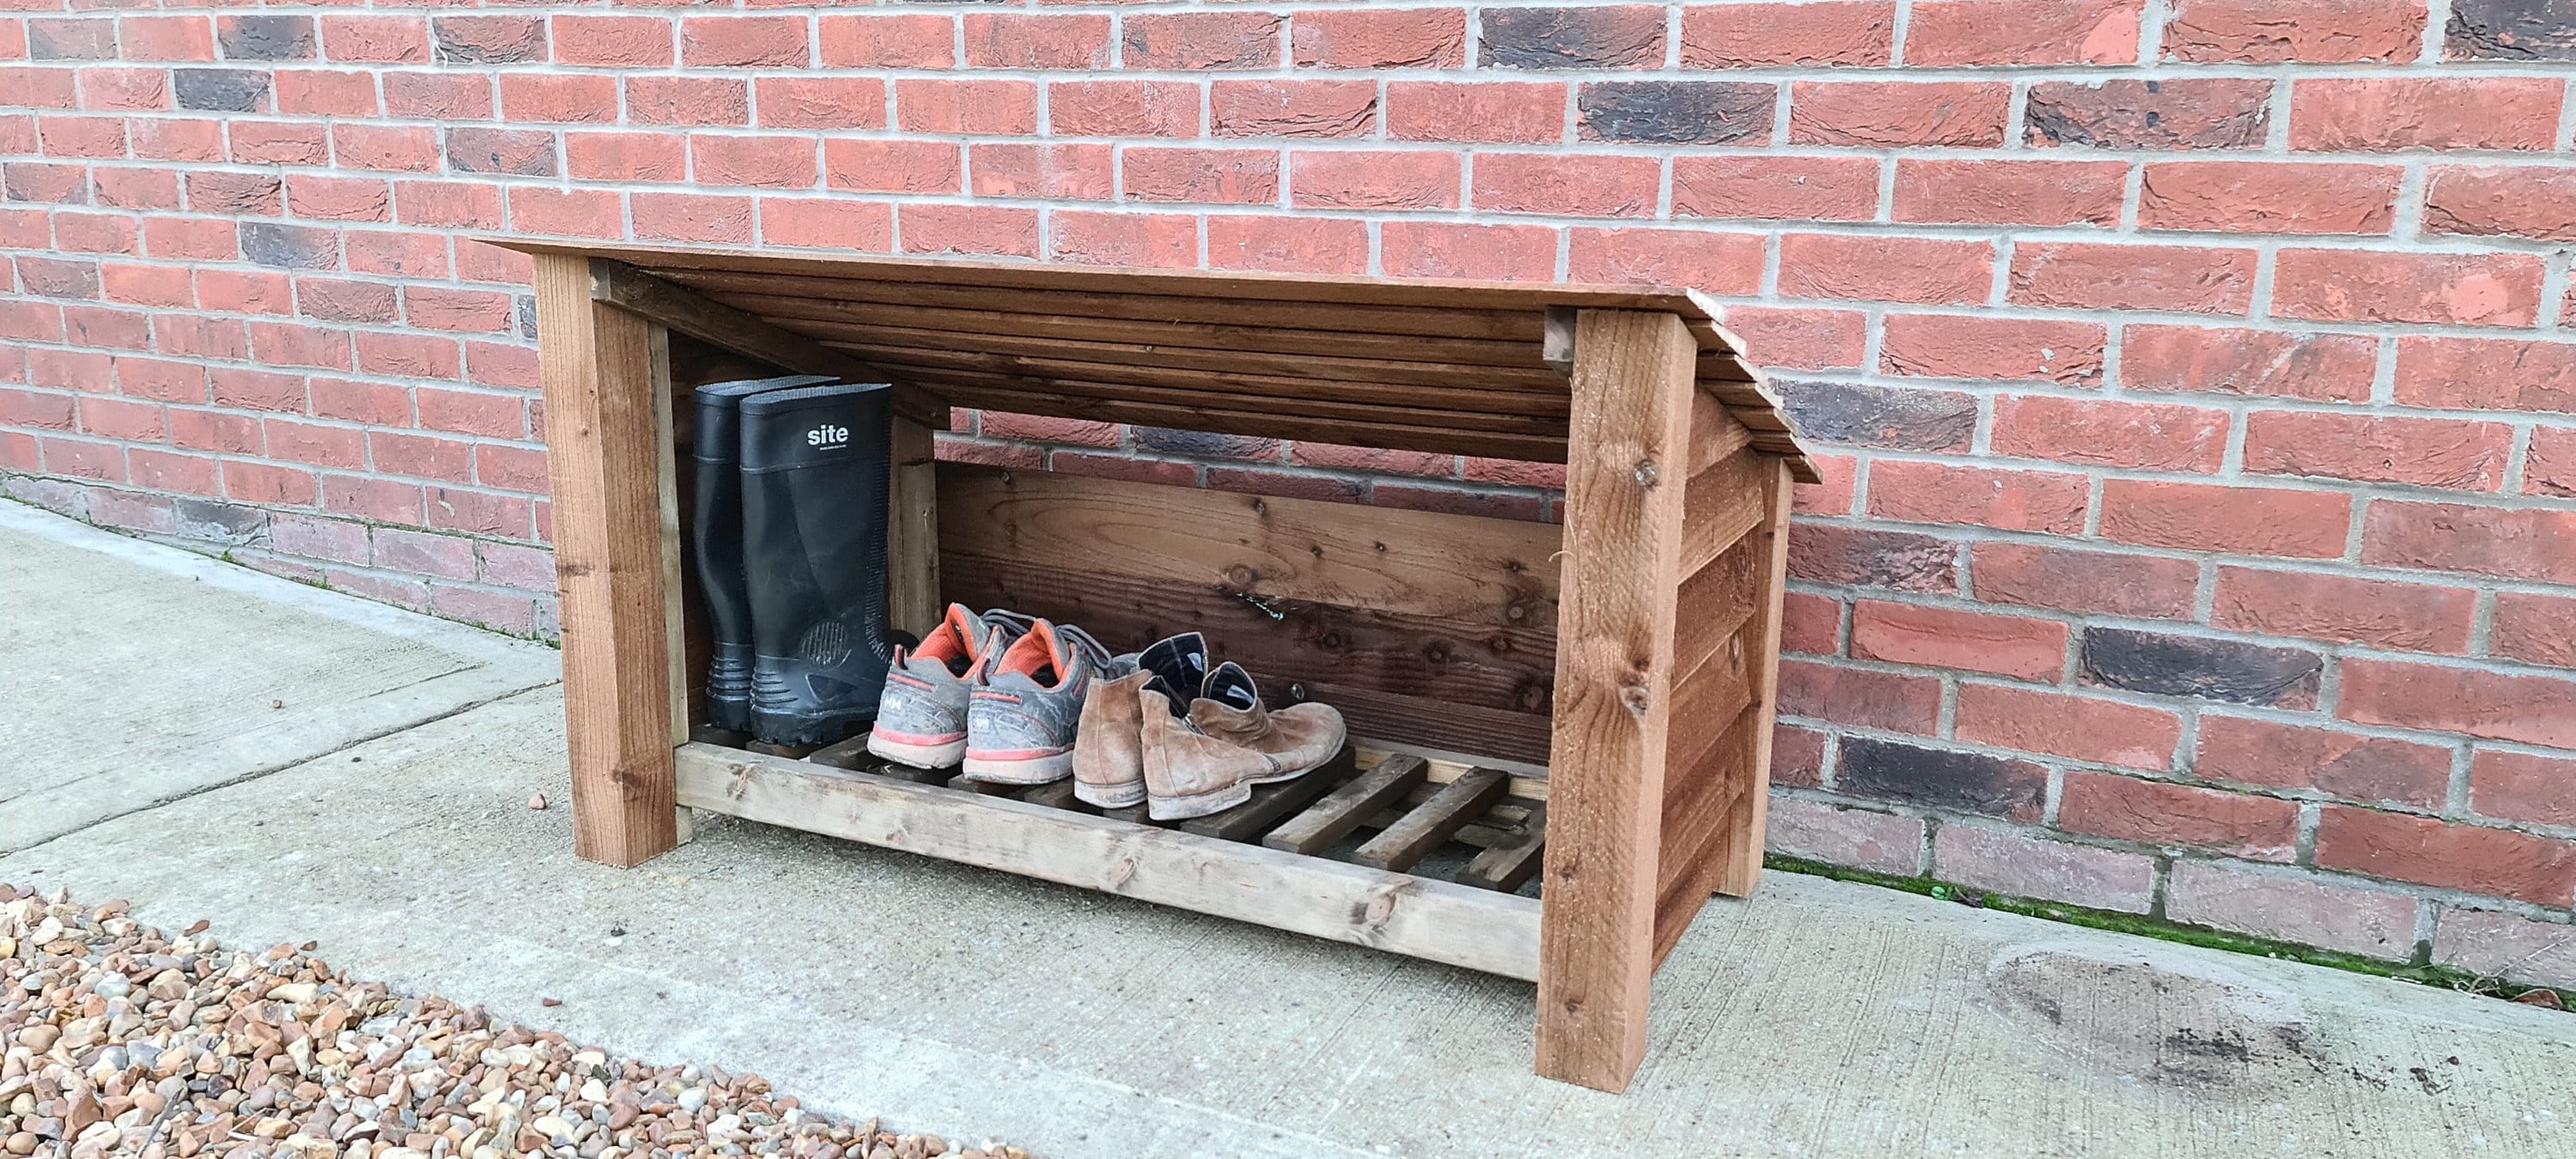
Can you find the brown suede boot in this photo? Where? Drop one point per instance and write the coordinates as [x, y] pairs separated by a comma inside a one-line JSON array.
[[1300, 736], [1109, 748]]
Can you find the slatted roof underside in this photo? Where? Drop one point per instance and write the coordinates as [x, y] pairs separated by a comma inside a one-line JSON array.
[[1447, 367]]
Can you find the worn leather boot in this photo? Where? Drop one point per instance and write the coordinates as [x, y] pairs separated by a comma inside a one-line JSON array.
[[1108, 752], [1192, 770]]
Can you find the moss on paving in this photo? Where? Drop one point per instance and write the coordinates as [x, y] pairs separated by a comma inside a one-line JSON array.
[[2161, 929]]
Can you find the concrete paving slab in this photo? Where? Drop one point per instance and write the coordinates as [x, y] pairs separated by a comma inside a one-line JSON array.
[[1821, 1018], [133, 673]]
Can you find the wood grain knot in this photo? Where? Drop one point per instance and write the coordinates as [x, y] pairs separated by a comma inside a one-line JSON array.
[[1636, 698]]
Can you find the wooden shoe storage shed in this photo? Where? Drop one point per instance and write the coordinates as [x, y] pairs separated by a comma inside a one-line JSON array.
[[1591, 701]]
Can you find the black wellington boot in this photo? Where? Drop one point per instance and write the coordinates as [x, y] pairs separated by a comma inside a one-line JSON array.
[[717, 535], [814, 483]]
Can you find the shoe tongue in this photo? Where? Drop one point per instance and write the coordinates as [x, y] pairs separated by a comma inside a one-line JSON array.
[[1178, 662], [1231, 686]]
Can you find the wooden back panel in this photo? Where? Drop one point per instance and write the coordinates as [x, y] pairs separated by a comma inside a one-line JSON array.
[[1422, 627]]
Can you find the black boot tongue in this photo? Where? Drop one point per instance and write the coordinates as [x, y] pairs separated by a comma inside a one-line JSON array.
[[1231, 686]]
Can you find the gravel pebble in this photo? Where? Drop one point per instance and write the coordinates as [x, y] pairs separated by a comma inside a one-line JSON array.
[[121, 1041]]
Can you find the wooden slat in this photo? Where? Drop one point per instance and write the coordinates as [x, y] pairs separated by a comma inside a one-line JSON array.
[[1743, 859], [1409, 840], [666, 476], [1313, 398], [1509, 865], [1271, 804], [1703, 697], [1399, 913], [1724, 502], [1714, 432], [1234, 348], [1421, 563], [1716, 600], [649, 297], [1615, 623], [1477, 325], [1529, 782], [1701, 808], [912, 592], [1434, 723], [1253, 424], [597, 366], [1342, 810]]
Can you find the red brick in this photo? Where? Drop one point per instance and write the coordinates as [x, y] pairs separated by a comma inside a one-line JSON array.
[[2216, 113], [1036, 428], [1373, 179], [1365, 38], [2023, 865], [952, 449], [2486, 374], [1838, 32], [764, 162], [1480, 113], [326, 93], [1777, 188], [1858, 838], [1292, 108], [2313, 911], [1567, 184], [2347, 765], [2383, 114], [187, 336], [1027, 40], [1511, 472], [2327, 367], [627, 41], [2162, 813], [1221, 176], [2432, 852], [134, 89], [94, 233], [1897, 114], [2537, 710], [2378, 449], [82, 136], [266, 484], [1121, 467], [427, 96], [407, 355], [1904, 561], [346, 300], [2089, 276], [2245, 520], [1201, 40], [1716, 263], [626, 156], [968, 229], [1957, 346], [2523, 787], [421, 456], [2537, 628], [743, 41], [316, 445], [1860, 698], [2528, 545], [2307, 31], [176, 38], [2500, 945], [803, 102], [2522, 201], [994, 107], [1055, 172], [2268, 197], [1454, 250], [1797, 756], [2022, 32], [1167, 241], [2550, 469], [2015, 646], [2142, 436], [1314, 245], [1811, 624], [1916, 492], [1937, 271], [2412, 617], [1123, 108], [827, 223], [432, 308], [206, 430], [339, 198], [398, 255], [380, 500], [277, 342], [1793, 339], [507, 364], [156, 188], [451, 509], [2044, 193], [879, 166], [691, 217], [375, 39], [100, 416], [542, 97], [2070, 580], [2493, 289], [399, 148], [687, 100], [511, 468]]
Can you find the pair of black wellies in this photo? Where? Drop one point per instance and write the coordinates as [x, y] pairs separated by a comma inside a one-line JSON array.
[[790, 531]]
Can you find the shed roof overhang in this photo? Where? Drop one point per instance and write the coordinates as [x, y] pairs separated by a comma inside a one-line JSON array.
[[1440, 366]]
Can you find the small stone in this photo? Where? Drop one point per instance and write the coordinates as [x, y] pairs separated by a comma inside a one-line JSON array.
[[549, 1001], [277, 704], [537, 802], [22, 1143], [2544, 997], [40, 1037]]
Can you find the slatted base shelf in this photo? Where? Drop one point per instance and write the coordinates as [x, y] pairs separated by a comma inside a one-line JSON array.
[[1262, 862]]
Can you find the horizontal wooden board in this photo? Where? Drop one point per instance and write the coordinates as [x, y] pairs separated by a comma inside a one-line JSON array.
[[1722, 503], [1425, 826], [1699, 802], [1342, 811], [1493, 572], [1251, 424], [1399, 913], [1716, 601]]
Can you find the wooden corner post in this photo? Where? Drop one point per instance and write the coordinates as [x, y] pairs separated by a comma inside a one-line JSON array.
[[604, 448], [1628, 464]]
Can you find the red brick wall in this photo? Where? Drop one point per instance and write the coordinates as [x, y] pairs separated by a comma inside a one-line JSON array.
[[2193, 376]]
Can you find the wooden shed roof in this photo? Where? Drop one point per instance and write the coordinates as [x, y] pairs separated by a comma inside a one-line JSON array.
[[1442, 366]]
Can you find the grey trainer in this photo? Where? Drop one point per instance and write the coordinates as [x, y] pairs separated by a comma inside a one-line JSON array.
[[921, 716], [1025, 712]]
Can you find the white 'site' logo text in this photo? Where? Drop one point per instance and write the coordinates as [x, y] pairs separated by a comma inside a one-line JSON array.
[[828, 435]]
